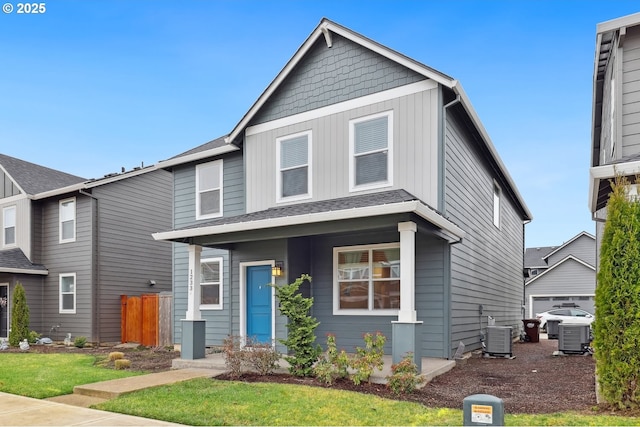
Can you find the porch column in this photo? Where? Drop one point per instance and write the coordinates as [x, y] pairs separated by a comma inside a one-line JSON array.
[[193, 326], [405, 332]]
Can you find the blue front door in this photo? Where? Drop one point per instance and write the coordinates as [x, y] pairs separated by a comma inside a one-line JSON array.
[[259, 303]]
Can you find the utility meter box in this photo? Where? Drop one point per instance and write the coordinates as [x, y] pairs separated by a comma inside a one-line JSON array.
[[483, 410]]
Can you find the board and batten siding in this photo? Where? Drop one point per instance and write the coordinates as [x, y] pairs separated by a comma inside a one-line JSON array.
[[487, 265], [73, 257], [568, 278], [583, 248], [415, 152], [328, 75], [631, 92], [129, 211], [23, 224]]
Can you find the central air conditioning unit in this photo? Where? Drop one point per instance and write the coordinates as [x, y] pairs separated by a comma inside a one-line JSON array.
[[574, 338], [498, 341]]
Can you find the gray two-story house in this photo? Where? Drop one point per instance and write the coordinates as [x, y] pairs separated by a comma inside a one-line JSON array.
[[77, 245], [372, 173], [615, 133]]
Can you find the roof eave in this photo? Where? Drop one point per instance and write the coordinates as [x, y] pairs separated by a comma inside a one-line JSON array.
[[213, 152], [24, 271]]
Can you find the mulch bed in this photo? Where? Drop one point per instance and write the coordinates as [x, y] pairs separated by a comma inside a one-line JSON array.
[[534, 382]]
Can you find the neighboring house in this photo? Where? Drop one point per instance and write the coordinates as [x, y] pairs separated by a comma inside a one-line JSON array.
[[76, 245], [615, 129], [566, 274], [371, 172]]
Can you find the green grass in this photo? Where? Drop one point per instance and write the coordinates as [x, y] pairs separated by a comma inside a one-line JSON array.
[[47, 375], [211, 402]]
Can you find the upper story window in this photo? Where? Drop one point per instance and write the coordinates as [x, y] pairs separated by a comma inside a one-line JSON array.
[[294, 166], [211, 284], [371, 151], [367, 280], [496, 205], [209, 190], [9, 226], [67, 293], [67, 220]]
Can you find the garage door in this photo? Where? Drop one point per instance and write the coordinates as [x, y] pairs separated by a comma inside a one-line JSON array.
[[541, 304]]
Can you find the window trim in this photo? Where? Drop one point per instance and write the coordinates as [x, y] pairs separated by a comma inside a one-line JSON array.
[[352, 157], [497, 196], [75, 218], [279, 141], [221, 188], [219, 306], [337, 311], [4, 226], [75, 293]]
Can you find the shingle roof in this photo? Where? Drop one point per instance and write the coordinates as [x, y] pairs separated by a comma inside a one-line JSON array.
[[34, 179], [360, 201], [534, 257], [15, 259], [215, 143]]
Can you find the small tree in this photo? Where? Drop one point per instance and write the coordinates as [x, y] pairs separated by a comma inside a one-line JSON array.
[[301, 326], [19, 316], [617, 322]]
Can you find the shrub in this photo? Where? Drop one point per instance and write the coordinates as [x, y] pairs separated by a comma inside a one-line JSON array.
[[333, 364], [261, 357], [33, 337], [404, 378], [368, 358], [616, 326], [233, 355], [116, 355], [122, 364], [19, 317], [301, 328], [80, 341]]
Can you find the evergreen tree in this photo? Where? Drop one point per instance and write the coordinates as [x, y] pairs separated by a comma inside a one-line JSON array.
[[617, 321], [19, 316]]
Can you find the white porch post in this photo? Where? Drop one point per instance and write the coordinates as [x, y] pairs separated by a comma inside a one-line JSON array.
[[407, 311], [193, 292]]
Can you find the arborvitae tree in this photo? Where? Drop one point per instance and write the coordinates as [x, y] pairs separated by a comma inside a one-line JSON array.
[[301, 337], [19, 316], [617, 320]]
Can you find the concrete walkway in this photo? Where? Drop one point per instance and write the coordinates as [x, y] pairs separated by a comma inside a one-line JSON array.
[[73, 409]]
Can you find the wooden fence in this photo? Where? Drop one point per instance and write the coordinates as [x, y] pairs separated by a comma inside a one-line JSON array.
[[146, 319]]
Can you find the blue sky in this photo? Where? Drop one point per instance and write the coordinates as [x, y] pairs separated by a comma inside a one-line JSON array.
[[89, 87]]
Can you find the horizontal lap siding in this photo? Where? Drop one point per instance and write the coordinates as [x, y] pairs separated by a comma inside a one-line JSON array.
[[218, 321], [130, 210], [583, 248], [74, 257], [33, 291], [486, 267], [568, 278]]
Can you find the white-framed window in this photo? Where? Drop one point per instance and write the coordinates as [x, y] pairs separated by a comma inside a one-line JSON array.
[[371, 151], [293, 159], [496, 205], [68, 293], [211, 284], [209, 190], [68, 220], [9, 226], [366, 280]]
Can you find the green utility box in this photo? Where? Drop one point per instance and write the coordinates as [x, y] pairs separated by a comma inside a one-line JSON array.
[[483, 410]]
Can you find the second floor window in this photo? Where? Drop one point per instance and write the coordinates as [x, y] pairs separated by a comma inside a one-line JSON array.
[[496, 205], [9, 225], [294, 164], [370, 145], [67, 220], [209, 190]]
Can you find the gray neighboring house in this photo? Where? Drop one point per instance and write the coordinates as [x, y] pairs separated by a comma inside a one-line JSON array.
[[563, 274], [76, 245], [615, 132], [371, 172]]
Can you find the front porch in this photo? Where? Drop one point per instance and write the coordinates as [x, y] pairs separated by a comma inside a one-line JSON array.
[[431, 367]]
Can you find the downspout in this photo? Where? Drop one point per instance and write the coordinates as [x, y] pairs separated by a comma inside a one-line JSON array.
[[442, 208], [96, 274]]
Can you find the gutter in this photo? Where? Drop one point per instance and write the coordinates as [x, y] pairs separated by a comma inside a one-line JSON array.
[[96, 273]]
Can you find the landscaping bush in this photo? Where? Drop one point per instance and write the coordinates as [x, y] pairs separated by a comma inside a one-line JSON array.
[[368, 358], [115, 355], [233, 355], [19, 317], [404, 378], [261, 357], [301, 328], [122, 364], [617, 326], [333, 364], [80, 341]]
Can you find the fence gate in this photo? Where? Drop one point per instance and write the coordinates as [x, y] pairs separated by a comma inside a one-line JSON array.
[[139, 321]]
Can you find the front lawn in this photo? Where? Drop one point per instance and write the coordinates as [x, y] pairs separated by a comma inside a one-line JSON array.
[[47, 375]]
